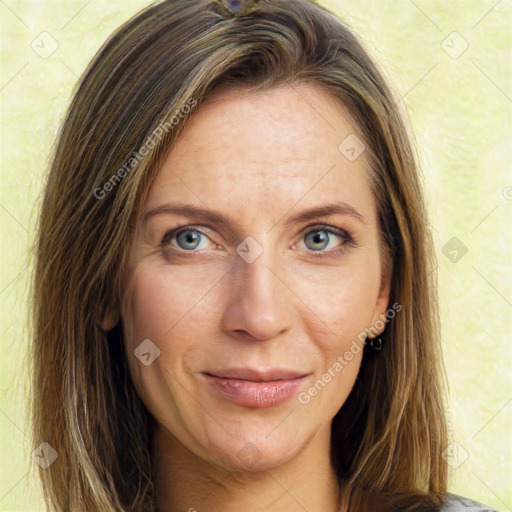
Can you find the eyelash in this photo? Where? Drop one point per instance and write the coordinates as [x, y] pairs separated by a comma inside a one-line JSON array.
[[333, 253]]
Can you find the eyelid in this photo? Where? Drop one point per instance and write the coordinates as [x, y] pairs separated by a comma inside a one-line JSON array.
[[330, 229]]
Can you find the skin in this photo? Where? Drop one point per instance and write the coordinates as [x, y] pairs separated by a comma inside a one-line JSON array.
[[259, 159]]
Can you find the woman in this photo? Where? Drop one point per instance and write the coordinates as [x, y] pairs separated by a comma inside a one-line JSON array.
[[234, 306]]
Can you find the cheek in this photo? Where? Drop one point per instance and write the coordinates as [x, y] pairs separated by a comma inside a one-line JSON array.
[[341, 300], [160, 304], [170, 307], [340, 304], [162, 299]]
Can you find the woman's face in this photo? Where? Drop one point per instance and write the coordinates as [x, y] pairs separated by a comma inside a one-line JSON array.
[[256, 298]]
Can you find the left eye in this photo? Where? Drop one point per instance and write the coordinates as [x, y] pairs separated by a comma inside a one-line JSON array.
[[319, 238]]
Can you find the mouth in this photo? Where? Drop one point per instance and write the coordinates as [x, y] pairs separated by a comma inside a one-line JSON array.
[[255, 388]]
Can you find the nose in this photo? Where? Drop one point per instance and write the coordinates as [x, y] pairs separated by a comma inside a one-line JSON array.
[[260, 303]]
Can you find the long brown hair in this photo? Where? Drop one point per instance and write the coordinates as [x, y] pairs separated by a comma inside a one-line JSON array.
[[129, 107]]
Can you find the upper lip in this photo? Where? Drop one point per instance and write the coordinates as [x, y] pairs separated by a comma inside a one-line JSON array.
[[257, 375]]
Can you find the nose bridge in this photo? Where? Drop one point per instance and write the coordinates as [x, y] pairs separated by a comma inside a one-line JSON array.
[[260, 302], [258, 282]]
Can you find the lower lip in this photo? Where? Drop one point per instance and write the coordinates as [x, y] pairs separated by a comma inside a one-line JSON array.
[[255, 394]]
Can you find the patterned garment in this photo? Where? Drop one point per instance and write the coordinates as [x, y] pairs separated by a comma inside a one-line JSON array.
[[456, 503]]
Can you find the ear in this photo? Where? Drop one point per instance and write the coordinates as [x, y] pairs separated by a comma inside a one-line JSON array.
[[378, 324], [109, 320]]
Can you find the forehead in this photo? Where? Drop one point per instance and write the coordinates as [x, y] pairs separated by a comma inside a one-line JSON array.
[[264, 150]]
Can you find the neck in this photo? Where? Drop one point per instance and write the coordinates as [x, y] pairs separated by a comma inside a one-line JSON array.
[[187, 483]]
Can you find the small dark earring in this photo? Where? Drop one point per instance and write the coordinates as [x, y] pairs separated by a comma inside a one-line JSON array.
[[375, 343]]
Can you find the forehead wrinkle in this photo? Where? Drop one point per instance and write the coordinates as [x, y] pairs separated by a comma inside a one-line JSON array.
[[230, 170]]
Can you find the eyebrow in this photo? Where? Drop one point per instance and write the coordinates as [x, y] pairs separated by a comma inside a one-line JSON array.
[[213, 217]]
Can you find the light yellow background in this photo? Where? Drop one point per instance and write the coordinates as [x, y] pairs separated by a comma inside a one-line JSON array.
[[460, 109]]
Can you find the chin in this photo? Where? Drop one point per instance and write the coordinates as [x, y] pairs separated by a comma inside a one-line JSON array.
[[253, 460], [256, 452]]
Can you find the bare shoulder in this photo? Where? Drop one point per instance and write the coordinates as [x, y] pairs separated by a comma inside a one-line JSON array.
[[456, 503]]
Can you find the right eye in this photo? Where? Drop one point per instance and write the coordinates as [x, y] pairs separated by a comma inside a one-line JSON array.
[[188, 239]]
